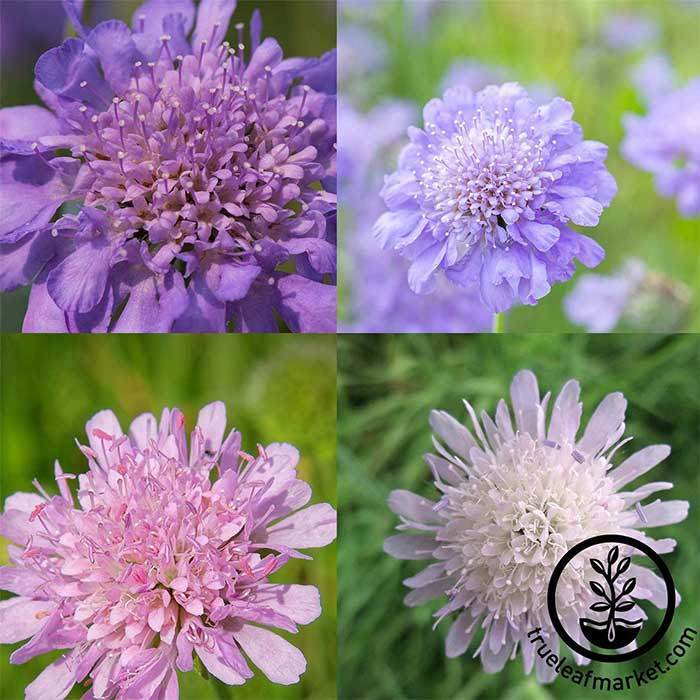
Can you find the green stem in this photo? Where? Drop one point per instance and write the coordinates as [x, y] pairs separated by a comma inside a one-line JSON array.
[[499, 323], [221, 689]]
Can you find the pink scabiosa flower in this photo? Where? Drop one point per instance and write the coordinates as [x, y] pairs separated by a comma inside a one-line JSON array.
[[514, 498], [203, 171], [164, 559]]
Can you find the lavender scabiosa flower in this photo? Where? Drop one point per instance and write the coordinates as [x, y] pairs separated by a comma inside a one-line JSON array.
[[487, 190], [514, 498], [633, 296], [666, 143], [164, 558], [200, 168]]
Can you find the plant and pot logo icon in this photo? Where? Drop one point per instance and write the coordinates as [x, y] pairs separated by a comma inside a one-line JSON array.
[[615, 619], [615, 631]]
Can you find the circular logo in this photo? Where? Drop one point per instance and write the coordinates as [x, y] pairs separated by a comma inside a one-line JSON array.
[[617, 628]]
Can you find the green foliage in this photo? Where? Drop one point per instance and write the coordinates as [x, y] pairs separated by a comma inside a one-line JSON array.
[[556, 43], [276, 389], [387, 386]]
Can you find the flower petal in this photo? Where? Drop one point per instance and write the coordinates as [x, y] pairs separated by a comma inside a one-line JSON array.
[[299, 603], [78, 283], [639, 463], [661, 513], [411, 547], [213, 18], [314, 526], [413, 507], [306, 306], [40, 190], [275, 657], [455, 435], [101, 424], [525, 398], [212, 422], [62, 70], [114, 45], [54, 682], [21, 618], [604, 423], [566, 414], [460, 635]]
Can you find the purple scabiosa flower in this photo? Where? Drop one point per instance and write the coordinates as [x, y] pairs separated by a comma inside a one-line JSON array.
[[632, 298], [163, 559], [626, 32], [666, 143], [514, 497], [204, 174], [380, 300], [486, 191]]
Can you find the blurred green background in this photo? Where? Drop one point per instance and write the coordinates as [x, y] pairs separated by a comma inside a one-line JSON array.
[[302, 27], [387, 386], [556, 43], [276, 389]]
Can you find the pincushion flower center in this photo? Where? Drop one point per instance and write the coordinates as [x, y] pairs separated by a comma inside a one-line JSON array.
[[485, 175], [190, 151]]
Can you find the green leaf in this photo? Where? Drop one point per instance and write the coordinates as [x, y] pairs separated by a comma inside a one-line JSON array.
[[200, 668]]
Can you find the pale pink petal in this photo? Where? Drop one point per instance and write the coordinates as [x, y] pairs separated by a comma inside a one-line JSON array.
[[19, 580], [230, 451], [413, 507], [302, 604], [460, 635], [105, 423], [494, 661], [24, 502], [16, 526], [285, 497], [410, 546], [649, 586], [172, 691], [275, 657], [212, 422], [525, 398], [428, 575], [314, 526], [22, 617], [433, 590], [663, 513], [455, 435], [644, 491], [142, 430], [605, 422], [56, 633], [544, 672], [216, 665], [444, 469], [503, 422], [639, 463], [566, 414], [54, 682]]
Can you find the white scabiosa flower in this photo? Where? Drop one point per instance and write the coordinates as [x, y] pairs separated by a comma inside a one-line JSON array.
[[514, 498]]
